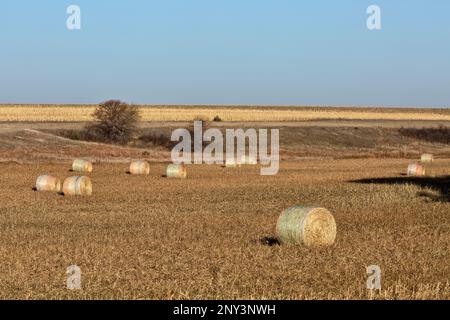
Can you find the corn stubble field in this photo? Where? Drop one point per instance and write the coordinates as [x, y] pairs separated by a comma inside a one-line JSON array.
[[211, 235], [56, 113]]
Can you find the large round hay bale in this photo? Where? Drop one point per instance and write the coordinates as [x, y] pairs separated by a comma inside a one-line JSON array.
[[415, 170], [309, 226], [80, 165], [426, 157], [48, 183], [139, 167], [77, 186], [176, 171]]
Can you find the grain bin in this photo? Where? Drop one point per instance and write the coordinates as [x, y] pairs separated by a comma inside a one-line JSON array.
[[426, 157], [139, 167], [80, 165], [77, 186], [415, 170], [310, 226], [176, 171], [48, 183]]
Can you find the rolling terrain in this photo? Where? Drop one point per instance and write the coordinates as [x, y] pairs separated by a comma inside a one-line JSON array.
[[211, 236]]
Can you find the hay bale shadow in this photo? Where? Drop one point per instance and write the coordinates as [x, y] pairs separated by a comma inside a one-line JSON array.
[[34, 189], [433, 197], [269, 241], [440, 184]]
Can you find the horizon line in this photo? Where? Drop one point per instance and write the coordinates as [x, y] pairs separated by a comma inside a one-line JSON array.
[[216, 105]]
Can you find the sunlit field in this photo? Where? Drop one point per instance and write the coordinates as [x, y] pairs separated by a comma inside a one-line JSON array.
[[209, 236], [73, 113]]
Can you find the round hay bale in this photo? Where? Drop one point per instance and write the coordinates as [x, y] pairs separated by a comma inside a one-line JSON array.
[[140, 167], [415, 170], [426, 157], [77, 186], [80, 165], [176, 171], [48, 183], [248, 160], [309, 226]]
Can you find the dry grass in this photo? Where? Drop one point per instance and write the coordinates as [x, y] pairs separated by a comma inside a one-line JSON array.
[[200, 238], [73, 113], [153, 144]]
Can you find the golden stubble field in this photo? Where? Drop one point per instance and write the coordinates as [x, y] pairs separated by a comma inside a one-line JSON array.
[[149, 237], [80, 113]]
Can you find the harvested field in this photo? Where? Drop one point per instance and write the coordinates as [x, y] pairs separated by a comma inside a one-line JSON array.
[[209, 236], [212, 235], [74, 113]]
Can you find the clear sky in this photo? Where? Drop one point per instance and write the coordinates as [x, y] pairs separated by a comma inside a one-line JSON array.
[[288, 52]]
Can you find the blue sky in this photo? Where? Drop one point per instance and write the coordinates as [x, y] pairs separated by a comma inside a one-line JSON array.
[[287, 52]]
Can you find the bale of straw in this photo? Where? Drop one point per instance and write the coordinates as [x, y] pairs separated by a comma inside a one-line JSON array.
[[248, 160], [77, 186], [80, 165], [426, 157], [415, 170], [309, 226], [48, 183], [139, 167], [176, 171]]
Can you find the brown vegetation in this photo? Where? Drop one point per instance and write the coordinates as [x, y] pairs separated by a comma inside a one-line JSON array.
[[114, 122], [437, 135], [205, 237], [153, 144], [212, 235]]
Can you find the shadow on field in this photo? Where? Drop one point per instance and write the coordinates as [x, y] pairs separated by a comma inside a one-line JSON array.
[[439, 184], [269, 241], [434, 135]]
